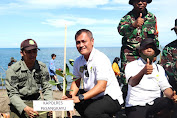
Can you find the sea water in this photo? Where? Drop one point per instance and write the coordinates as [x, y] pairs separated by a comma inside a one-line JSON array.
[[44, 55]]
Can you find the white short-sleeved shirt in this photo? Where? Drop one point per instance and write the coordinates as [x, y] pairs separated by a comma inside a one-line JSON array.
[[99, 68], [150, 86]]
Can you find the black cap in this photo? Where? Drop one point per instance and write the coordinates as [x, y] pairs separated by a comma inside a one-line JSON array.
[[29, 44], [175, 25], [148, 41], [131, 1]]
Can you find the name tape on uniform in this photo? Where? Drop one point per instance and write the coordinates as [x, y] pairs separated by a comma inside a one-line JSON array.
[[53, 105]]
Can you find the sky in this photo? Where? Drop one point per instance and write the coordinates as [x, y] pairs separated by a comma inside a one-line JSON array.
[[45, 21]]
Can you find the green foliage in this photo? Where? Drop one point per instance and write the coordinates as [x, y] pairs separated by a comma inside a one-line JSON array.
[[61, 73], [71, 61], [53, 82]]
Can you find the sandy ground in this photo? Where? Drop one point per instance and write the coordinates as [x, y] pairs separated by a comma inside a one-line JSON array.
[[4, 101]]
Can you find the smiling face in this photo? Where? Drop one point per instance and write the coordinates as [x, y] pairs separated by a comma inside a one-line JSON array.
[[84, 44], [140, 5]]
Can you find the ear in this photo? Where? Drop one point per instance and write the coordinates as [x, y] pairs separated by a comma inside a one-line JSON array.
[[92, 40], [21, 52]]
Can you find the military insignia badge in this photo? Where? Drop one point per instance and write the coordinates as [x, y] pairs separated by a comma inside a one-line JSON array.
[[31, 42], [81, 69]]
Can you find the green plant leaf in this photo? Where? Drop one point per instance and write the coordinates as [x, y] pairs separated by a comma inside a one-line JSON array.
[[75, 79], [71, 61], [69, 90], [59, 73], [68, 73], [67, 68], [53, 82]]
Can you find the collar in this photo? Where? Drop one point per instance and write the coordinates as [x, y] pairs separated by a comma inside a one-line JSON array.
[[134, 13], [91, 55], [141, 62], [25, 68]]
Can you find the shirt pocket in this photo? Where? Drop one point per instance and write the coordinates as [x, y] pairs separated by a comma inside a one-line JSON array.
[[22, 82]]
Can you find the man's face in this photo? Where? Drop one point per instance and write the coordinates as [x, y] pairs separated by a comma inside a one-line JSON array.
[[84, 44], [29, 56], [149, 50], [53, 57], [140, 5]]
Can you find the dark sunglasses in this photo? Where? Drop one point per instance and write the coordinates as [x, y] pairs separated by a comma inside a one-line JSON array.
[[86, 72]]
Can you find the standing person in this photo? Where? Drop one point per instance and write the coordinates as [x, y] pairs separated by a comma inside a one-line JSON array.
[[136, 26], [146, 80], [24, 79], [52, 70], [102, 97], [12, 61], [169, 60]]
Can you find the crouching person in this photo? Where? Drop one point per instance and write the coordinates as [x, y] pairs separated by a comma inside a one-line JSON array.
[[23, 82], [146, 80], [102, 97]]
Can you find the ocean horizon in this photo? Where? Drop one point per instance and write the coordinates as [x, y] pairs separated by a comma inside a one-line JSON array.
[[44, 55]]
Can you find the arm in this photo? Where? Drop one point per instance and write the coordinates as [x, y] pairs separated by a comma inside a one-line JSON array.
[[75, 87], [170, 94], [97, 89], [168, 61], [12, 90], [125, 27], [135, 80]]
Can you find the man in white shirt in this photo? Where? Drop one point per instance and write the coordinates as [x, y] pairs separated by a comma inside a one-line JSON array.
[[146, 80], [102, 97]]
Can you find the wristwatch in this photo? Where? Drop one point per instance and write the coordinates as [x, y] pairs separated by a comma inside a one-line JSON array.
[[81, 97]]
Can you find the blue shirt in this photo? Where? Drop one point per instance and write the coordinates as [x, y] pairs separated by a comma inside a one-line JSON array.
[[52, 67]]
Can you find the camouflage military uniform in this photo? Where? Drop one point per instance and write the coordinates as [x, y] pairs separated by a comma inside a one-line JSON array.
[[168, 60], [23, 85], [133, 36]]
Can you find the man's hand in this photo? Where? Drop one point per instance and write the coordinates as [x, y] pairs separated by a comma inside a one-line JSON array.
[[148, 67], [139, 21], [174, 97], [30, 112], [75, 99]]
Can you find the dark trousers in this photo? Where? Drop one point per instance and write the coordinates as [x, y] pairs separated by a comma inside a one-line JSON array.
[[148, 111], [103, 107]]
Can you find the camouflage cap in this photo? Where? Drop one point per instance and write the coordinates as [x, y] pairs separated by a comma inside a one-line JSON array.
[[148, 41], [131, 1], [175, 25], [29, 44]]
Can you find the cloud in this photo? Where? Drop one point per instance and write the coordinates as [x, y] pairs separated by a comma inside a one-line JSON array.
[[122, 8], [120, 1], [52, 4], [71, 21]]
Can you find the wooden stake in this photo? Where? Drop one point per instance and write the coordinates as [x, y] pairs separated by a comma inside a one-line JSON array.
[[64, 70]]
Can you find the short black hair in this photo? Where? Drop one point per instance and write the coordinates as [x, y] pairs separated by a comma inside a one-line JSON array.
[[89, 33], [53, 55]]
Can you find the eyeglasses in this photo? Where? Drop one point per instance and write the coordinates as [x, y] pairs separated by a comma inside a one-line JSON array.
[[86, 72]]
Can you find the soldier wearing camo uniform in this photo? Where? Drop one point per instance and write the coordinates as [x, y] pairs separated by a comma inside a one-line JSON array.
[[135, 26], [23, 81], [169, 60]]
